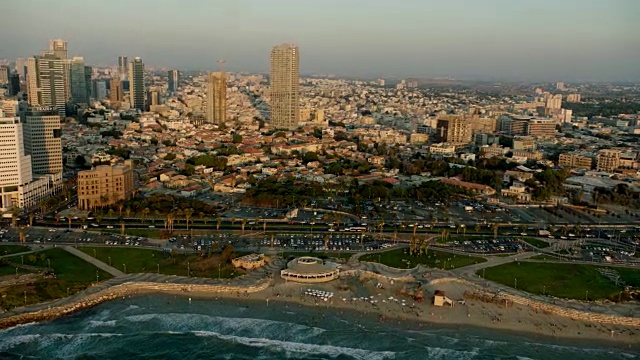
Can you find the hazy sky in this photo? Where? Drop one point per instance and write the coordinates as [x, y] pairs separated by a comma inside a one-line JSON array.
[[507, 39]]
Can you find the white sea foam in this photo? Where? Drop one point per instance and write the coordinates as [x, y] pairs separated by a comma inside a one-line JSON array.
[[297, 349], [436, 353], [12, 341], [228, 325], [99, 323]]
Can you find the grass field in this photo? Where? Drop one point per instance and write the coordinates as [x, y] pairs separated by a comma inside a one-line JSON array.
[[72, 275], [13, 249], [540, 244], [570, 281], [10, 270], [148, 261], [400, 258]]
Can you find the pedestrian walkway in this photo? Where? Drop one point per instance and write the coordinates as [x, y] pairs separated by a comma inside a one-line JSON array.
[[91, 260]]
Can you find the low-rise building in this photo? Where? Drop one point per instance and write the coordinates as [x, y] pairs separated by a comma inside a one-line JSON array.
[[105, 185]]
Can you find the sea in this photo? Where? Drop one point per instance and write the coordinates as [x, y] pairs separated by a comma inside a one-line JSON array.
[[179, 327]]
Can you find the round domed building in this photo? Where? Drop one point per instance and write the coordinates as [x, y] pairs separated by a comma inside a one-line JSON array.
[[308, 269]]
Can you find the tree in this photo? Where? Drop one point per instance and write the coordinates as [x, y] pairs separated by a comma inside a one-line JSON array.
[[187, 216], [167, 142], [236, 138], [227, 253], [80, 160], [189, 169], [170, 157], [154, 141], [309, 156]]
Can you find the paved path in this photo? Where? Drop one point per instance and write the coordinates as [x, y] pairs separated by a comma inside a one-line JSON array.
[[491, 261], [91, 260]]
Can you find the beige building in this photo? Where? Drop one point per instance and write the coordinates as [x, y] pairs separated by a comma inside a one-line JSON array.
[[483, 125], [608, 160], [542, 127], [105, 185], [453, 130], [525, 143], [416, 138], [575, 161], [574, 98], [216, 98], [48, 82], [116, 95], [285, 78]]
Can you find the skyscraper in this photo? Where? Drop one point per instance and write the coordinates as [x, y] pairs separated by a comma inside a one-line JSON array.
[[216, 98], [16, 165], [174, 80], [454, 130], [47, 82], [79, 93], [122, 67], [14, 84], [88, 72], [59, 48], [99, 89], [42, 139], [285, 77], [4, 74], [116, 94], [136, 84], [21, 67]]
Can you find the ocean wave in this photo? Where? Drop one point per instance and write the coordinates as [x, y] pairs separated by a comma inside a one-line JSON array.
[[98, 323], [436, 353], [44, 340], [297, 349], [228, 325], [12, 341]]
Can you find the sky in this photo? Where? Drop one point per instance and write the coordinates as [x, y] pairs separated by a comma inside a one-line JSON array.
[[541, 40]]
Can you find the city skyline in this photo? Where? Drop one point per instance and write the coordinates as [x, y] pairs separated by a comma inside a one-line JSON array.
[[573, 41]]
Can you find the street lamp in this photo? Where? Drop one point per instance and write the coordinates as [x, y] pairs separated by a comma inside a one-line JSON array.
[[125, 268], [586, 297], [515, 286], [188, 268], [219, 271], [97, 276], [158, 268], [109, 260]]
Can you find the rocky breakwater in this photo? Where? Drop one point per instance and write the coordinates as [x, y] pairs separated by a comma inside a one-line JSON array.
[[122, 290]]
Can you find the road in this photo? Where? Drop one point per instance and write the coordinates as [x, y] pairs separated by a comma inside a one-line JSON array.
[[470, 271], [95, 262]]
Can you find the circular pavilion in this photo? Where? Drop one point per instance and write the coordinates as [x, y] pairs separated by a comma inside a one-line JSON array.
[[309, 269]]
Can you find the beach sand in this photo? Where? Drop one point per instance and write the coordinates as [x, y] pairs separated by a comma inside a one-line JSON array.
[[513, 318]]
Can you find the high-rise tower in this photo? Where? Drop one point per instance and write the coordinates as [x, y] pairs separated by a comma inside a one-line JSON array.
[[47, 80], [136, 84], [216, 98], [123, 67], [174, 80], [42, 140], [285, 77], [78, 81], [16, 166]]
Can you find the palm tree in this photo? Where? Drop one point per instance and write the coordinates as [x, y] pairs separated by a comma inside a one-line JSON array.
[[110, 213], [477, 227], [127, 212], [326, 242], [31, 217], [219, 221], [264, 226], [496, 227], [244, 221], [187, 216], [145, 212], [69, 218]]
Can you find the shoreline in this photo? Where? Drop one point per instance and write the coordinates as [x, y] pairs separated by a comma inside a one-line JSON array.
[[476, 314]]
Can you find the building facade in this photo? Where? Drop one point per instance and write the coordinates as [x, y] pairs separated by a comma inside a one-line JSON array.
[[575, 161], [105, 185], [608, 160], [79, 93], [58, 48], [47, 80], [4, 74], [173, 80], [123, 71], [16, 165], [285, 78], [116, 95], [453, 130], [136, 84], [42, 139], [216, 98]]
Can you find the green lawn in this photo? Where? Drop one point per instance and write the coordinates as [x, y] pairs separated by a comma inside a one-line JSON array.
[[10, 270], [147, 260], [13, 249], [72, 275], [630, 276], [540, 244], [400, 258], [570, 281], [148, 233]]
